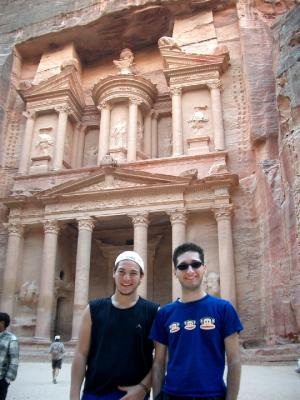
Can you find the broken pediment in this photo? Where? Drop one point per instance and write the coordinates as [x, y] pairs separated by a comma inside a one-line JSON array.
[[174, 59], [66, 83], [112, 179]]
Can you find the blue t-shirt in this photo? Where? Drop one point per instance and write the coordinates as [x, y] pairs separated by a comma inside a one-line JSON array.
[[194, 333]]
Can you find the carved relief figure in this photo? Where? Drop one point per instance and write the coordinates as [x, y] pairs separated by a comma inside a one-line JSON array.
[[140, 136], [125, 64], [28, 294], [90, 156], [118, 134], [211, 284], [44, 142], [198, 119], [67, 149]]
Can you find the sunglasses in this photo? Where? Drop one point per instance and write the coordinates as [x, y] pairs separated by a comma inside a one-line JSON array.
[[184, 266]]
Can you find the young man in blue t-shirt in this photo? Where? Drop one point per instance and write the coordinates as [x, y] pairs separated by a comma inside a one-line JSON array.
[[194, 333]]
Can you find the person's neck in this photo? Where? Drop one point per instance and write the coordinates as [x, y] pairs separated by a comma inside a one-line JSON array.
[[192, 295], [123, 301]]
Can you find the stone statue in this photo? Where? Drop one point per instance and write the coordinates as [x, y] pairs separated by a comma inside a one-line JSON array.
[[125, 63], [28, 294], [140, 136], [168, 42], [91, 155]]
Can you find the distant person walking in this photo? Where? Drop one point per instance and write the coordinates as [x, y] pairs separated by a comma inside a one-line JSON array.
[[56, 350], [9, 355]]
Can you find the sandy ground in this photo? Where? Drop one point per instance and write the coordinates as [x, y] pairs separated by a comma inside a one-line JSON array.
[[34, 382]]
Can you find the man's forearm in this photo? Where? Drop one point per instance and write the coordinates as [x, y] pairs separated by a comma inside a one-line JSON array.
[[77, 376], [233, 379], [158, 374]]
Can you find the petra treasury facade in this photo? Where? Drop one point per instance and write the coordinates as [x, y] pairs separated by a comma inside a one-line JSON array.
[[140, 125]]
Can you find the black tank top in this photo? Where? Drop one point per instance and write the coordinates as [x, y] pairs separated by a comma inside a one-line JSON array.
[[120, 351]]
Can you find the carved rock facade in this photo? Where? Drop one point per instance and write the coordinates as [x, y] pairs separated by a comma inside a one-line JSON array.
[[143, 134]]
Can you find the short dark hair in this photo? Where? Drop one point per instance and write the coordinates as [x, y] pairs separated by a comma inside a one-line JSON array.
[[5, 318], [188, 246]]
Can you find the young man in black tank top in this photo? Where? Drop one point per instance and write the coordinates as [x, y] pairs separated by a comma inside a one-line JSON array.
[[114, 353]]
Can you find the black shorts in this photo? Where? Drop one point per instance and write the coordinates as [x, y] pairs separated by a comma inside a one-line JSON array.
[[56, 364]]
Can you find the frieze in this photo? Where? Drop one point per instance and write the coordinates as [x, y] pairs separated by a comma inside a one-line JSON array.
[[195, 79]]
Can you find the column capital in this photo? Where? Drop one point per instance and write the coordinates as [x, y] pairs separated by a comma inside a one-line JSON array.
[[51, 226], [86, 224], [154, 114], [135, 100], [104, 105], [215, 84], [140, 219], [15, 229], [223, 212], [80, 126], [176, 91], [64, 108], [29, 114], [179, 215]]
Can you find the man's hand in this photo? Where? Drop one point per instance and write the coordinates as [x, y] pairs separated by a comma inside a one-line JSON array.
[[135, 392]]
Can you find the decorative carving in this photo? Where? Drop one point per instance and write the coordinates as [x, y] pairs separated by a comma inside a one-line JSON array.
[[168, 42], [176, 91], [198, 117], [223, 211], [218, 168], [91, 154], [108, 160], [118, 134], [104, 105], [139, 219], [51, 226], [212, 283], [15, 228], [214, 84], [125, 64], [178, 216], [28, 294], [63, 109], [190, 173], [44, 141], [154, 114], [135, 100], [86, 224], [29, 114], [140, 136]]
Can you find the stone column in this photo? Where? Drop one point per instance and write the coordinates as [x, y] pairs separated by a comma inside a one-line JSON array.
[[47, 278], [226, 260], [82, 278], [140, 244], [15, 238], [103, 146], [132, 129], [154, 145], [148, 134], [178, 220], [177, 130], [217, 114], [27, 141], [60, 136]]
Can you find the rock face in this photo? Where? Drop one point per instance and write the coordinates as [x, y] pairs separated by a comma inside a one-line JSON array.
[[175, 51]]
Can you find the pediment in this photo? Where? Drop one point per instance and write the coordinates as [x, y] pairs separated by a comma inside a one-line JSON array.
[[177, 59], [112, 179], [66, 81]]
